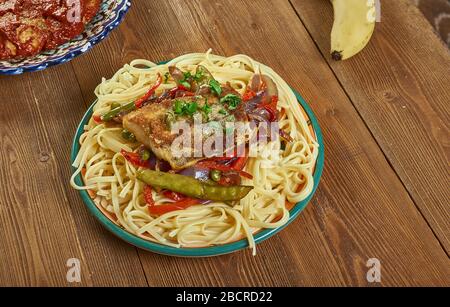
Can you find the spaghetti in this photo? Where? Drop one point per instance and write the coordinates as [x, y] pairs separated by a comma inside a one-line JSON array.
[[282, 173]]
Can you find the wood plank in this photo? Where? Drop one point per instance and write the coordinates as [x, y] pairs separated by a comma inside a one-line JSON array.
[[361, 209], [106, 254], [38, 235], [42, 221], [400, 85]]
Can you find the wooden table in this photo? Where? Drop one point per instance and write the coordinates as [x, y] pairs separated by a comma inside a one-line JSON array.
[[385, 188]]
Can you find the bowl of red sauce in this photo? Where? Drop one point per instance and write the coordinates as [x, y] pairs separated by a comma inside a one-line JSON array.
[[37, 34]]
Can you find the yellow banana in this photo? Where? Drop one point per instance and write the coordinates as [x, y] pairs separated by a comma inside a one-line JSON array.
[[354, 23]]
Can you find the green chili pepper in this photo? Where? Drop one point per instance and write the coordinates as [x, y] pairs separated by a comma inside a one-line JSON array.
[[192, 187], [114, 112], [115, 105]]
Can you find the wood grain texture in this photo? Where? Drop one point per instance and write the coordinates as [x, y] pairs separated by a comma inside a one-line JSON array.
[[361, 209], [37, 232], [42, 220], [400, 85]]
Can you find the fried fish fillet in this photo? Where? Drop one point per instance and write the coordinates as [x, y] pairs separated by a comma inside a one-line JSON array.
[[152, 124]]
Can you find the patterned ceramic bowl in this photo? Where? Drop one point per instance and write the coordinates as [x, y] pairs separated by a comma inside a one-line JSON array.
[[109, 16]]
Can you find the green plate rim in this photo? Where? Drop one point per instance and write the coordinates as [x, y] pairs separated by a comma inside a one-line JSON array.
[[200, 251]]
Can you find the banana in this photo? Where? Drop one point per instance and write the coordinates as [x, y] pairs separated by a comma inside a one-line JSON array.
[[354, 23]]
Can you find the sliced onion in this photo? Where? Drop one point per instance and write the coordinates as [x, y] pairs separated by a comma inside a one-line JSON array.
[[254, 102], [260, 115], [265, 84], [272, 89], [163, 165], [176, 74]]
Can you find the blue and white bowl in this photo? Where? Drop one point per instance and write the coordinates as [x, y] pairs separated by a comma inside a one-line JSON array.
[[109, 16]]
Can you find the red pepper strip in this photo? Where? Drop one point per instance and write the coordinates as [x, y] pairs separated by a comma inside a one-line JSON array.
[[173, 195], [225, 181], [239, 164], [148, 196], [134, 159], [174, 91], [138, 103], [97, 119], [169, 207], [248, 95], [229, 179], [271, 108], [223, 168], [188, 94], [272, 112]]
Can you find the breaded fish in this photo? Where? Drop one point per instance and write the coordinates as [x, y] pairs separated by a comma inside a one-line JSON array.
[[152, 124]]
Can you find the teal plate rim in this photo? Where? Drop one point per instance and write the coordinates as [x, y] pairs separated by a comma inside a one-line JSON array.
[[199, 251]]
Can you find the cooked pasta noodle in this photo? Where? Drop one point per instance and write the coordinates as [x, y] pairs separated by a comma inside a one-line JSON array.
[[281, 176]]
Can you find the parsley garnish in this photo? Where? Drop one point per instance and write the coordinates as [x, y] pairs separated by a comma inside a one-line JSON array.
[[215, 87], [206, 109], [187, 75], [223, 112], [186, 84], [198, 75], [231, 100], [185, 108], [178, 107], [166, 77], [191, 108]]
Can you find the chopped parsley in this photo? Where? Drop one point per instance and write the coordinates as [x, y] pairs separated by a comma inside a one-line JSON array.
[[197, 77], [206, 108], [191, 108], [178, 107], [186, 80], [185, 108], [186, 84], [231, 100], [199, 74], [187, 75], [215, 87]]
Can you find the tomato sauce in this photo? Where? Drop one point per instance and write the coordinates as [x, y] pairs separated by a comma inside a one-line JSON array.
[[28, 27]]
